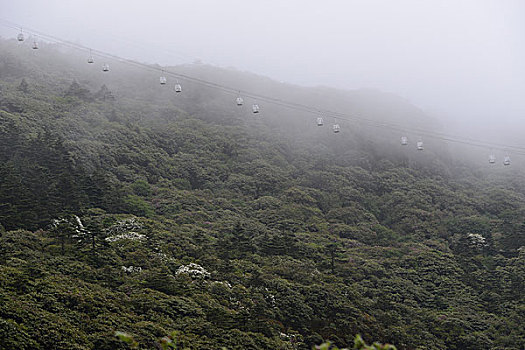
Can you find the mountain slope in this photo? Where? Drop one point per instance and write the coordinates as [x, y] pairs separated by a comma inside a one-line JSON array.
[[134, 209]]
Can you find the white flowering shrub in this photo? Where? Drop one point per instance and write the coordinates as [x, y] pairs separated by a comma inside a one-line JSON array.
[[125, 229], [476, 240], [132, 236], [126, 225], [132, 269], [193, 270], [222, 283], [73, 222]]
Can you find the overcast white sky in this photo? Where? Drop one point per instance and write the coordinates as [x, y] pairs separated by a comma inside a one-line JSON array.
[[460, 58]]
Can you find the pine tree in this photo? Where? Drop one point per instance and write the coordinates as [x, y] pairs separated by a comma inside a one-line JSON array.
[[94, 234], [24, 86], [236, 244], [78, 91], [11, 194], [104, 94]]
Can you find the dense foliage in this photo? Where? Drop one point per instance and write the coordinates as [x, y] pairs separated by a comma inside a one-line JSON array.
[[147, 213]]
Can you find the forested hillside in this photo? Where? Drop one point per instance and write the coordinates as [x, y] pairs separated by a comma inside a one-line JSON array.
[[127, 207]]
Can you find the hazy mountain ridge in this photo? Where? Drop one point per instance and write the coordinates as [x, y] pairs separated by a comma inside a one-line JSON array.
[[300, 235]]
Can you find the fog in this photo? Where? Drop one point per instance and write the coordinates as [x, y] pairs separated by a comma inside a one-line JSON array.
[[460, 61]]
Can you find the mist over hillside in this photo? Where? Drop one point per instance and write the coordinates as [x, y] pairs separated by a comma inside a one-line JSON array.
[[366, 107], [128, 207]]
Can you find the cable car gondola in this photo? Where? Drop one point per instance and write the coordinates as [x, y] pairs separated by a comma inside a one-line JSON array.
[[255, 108], [419, 145], [105, 67], [320, 121], [336, 128], [178, 88], [90, 59], [163, 80], [239, 101], [506, 160], [492, 159], [35, 45], [404, 140], [20, 36]]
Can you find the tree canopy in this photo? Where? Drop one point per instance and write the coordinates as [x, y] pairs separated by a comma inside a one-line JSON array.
[[125, 208]]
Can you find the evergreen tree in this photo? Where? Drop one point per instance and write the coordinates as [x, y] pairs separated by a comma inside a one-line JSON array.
[[93, 234], [77, 91], [104, 94], [237, 243], [24, 86]]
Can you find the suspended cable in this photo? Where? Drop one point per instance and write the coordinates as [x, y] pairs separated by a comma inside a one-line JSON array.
[[274, 100]]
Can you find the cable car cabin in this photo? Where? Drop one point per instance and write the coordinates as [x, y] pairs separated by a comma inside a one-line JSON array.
[[420, 145], [35, 45], [404, 140], [105, 68], [239, 101], [336, 128], [90, 60], [255, 108], [20, 37], [320, 121], [506, 160], [178, 88], [162, 80], [492, 159]]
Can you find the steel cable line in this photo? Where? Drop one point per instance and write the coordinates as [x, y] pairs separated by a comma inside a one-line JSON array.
[[277, 101]]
